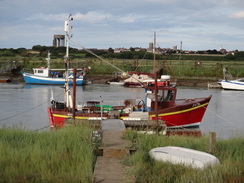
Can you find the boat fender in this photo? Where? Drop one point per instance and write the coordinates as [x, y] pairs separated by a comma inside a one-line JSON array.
[[165, 77], [127, 102], [53, 102]]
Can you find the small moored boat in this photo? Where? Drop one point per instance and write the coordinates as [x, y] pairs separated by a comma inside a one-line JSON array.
[[237, 84], [184, 156], [47, 76]]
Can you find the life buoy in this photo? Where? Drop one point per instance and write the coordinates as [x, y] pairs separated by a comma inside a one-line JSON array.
[[127, 102]]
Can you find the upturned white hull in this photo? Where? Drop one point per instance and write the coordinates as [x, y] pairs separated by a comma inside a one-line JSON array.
[[184, 156]]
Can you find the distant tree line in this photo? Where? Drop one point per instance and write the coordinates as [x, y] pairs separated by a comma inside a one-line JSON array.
[[59, 52]]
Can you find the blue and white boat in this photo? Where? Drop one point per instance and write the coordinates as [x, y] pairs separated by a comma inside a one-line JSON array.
[[230, 84], [47, 76], [237, 84]]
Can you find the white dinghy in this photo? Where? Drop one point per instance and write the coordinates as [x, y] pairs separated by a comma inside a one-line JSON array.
[[185, 156]]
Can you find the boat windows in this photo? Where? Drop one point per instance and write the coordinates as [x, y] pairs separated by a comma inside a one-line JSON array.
[[169, 96], [166, 95], [40, 71]]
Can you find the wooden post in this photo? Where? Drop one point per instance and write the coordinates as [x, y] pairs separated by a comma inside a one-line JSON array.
[[217, 71], [212, 142], [74, 93], [155, 83]]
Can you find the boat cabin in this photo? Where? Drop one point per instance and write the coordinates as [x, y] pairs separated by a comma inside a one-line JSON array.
[[41, 71], [166, 97], [166, 94]]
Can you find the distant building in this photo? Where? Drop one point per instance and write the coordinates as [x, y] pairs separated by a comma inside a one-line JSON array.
[[175, 48], [118, 50], [223, 51], [58, 40], [150, 46]]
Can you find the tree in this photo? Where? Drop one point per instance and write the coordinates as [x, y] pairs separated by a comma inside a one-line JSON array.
[[239, 55], [111, 50], [36, 47]]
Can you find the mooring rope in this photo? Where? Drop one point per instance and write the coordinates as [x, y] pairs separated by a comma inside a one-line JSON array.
[[228, 121], [78, 44], [4, 119], [96, 55]]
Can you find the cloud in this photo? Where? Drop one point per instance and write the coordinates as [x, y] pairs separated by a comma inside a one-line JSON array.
[[48, 17], [239, 14], [130, 18], [109, 23], [93, 16]]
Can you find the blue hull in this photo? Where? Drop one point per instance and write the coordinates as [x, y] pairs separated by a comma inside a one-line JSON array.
[[33, 79]]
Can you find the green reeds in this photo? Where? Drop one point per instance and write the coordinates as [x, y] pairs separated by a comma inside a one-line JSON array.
[[145, 169], [65, 155]]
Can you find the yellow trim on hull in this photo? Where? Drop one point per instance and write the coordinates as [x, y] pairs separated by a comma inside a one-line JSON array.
[[178, 112], [61, 116], [76, 117]]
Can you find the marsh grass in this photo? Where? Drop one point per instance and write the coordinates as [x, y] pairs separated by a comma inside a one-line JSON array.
[[145, 169], [65, 155], [173, 66], [186, 68]]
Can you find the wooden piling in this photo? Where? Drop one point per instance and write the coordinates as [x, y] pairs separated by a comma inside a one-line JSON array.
[[212, 142]]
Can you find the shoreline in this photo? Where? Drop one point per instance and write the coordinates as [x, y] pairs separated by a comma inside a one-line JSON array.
[[190, 81], [105, 78]]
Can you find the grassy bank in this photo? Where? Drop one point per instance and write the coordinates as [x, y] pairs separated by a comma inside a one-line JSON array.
[[229, 152], [202, 66], [65, 155]]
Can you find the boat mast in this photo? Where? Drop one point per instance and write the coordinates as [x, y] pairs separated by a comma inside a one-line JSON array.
[[155, 78], [48, 60], [67, 29]]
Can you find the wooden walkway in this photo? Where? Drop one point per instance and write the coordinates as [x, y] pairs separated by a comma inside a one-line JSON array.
[[108, 168]]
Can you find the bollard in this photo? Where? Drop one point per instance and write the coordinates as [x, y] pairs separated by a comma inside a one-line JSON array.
[[212, 142]]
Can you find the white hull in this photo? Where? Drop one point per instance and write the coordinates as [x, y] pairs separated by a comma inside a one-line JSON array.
[[233, 84], [35, 79], [117, 83], [187, 157]]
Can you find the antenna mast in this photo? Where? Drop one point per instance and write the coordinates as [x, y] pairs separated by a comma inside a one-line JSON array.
[[67, 29]]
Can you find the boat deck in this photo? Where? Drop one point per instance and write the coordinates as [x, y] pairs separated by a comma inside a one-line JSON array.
[[109, 167]]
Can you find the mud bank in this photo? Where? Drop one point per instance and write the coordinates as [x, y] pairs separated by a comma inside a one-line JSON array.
[[191, 82], [104, 79]]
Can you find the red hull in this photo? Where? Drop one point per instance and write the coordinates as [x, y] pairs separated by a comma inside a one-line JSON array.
[[186, 118], [55, 122], [58, 118]]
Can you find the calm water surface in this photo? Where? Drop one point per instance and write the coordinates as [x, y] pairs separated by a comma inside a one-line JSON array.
[[25, 106]]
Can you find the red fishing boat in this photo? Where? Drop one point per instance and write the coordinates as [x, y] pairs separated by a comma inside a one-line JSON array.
[[177, 112], [174, 112]]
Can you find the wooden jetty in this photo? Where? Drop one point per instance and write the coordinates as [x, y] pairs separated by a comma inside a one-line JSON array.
[[109, 168]]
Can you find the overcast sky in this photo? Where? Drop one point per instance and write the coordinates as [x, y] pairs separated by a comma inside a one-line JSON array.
[[199, 24]]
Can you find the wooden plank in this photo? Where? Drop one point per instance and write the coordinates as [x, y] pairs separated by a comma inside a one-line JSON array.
[[109, 167], [113, 124]]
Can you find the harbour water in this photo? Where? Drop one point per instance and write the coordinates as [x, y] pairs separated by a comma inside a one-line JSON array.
[[25, 106]]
